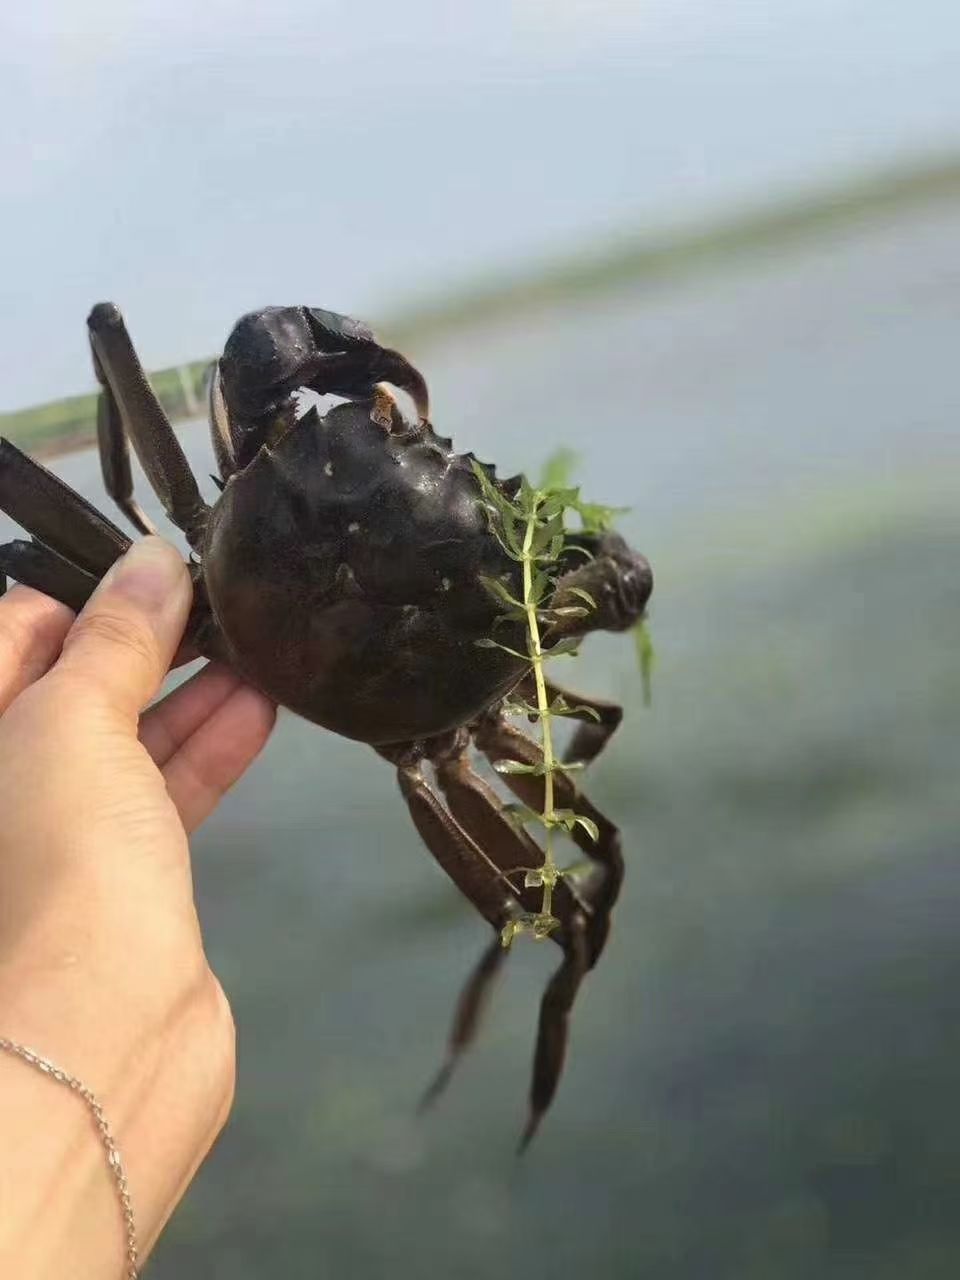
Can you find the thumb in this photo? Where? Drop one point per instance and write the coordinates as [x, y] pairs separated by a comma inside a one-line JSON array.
[[123, 642]]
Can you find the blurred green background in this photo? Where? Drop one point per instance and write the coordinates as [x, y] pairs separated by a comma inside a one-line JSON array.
[[763, 1074]]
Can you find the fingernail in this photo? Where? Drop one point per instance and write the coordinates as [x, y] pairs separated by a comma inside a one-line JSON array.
[[150, 574]]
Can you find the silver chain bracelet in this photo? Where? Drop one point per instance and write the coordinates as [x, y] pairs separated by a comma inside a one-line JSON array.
[[114, 1162]]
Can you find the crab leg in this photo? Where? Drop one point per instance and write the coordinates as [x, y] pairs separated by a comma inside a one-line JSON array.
[[600, 719], [39, 567], [554, 1025], [73, 546], [584, 932], [471, 1004], [498, 740], [55, 515], [114, 453], [478, 810], [479, 848], [133, 403], [471, 871]]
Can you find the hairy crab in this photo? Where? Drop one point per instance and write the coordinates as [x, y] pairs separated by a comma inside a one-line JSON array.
[[344, 570]]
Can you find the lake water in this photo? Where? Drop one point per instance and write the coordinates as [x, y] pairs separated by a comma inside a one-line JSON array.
[[762, 1081]]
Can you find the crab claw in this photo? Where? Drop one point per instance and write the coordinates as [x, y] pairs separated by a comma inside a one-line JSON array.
[[273, 352], [618, 580], [390, 366]]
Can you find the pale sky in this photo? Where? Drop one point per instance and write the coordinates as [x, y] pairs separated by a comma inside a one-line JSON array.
[[191, 161]]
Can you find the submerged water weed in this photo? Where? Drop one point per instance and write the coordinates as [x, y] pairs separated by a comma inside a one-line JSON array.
[[531, 528]]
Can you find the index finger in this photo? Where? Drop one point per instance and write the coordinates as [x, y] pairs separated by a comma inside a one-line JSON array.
[[32, 630]]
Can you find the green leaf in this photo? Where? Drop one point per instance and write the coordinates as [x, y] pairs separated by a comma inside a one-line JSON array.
[[513, 551], [589, 826], [572, 549], [564, 611], [556, 501], [545, 534], [486, 643], [581, 710], [510, 930], [596, 518], [500, 590], [527, 498], [558, 469], [582, 595], [568, 819], [569, 644], [560, 707], [492, 492], [515, 766], [519, 815], [562, 818], [517, 707], [585, 867], [646, 658], [541, 582], [488, 489], [543, 926]]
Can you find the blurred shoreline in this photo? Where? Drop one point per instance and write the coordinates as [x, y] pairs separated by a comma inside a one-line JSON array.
[[69, 423]]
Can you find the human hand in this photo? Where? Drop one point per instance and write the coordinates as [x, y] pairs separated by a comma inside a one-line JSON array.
[[102, 967]]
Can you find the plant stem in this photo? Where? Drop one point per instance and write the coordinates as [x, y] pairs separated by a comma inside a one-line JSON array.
[[550, 871]]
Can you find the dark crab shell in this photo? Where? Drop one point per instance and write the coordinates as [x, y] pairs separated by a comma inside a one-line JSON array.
[[343, 567]]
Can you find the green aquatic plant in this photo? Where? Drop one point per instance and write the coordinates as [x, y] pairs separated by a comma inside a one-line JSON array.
[[531, 527]]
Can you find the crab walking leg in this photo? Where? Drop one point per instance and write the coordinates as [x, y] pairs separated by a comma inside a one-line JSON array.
[[478, 810], [479, 879], [475, 875], [600, 720], [73, 546], [56, 516], [499, 740], [115, 454], [554, 1026], [37, 566], [471, 1004], [144, 421], [584, 927]]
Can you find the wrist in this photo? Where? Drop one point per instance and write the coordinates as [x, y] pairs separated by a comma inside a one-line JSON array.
[[166, 1091]]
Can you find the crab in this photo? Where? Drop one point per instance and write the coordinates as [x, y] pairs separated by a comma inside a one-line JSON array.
[[341, 571]]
